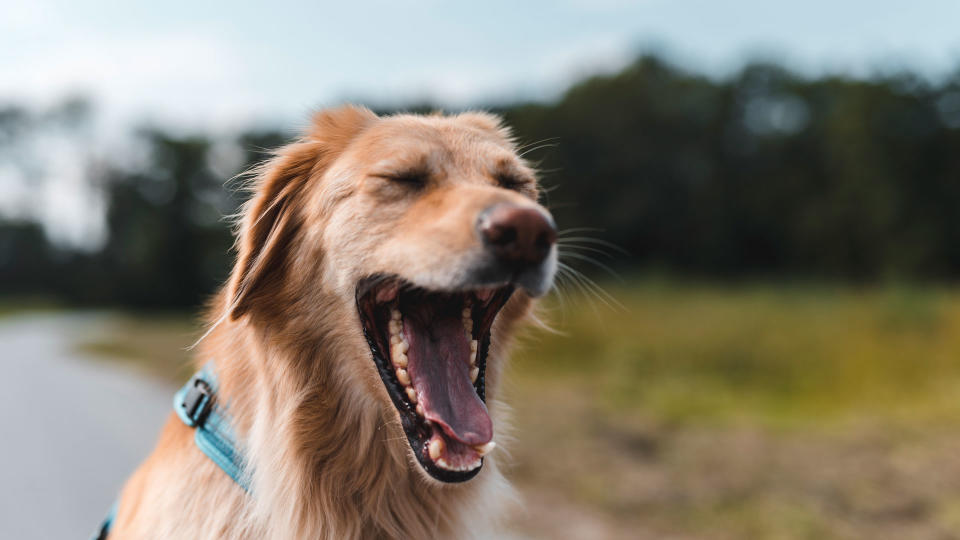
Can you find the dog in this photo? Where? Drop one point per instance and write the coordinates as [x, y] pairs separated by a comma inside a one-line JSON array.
[[384, 265]]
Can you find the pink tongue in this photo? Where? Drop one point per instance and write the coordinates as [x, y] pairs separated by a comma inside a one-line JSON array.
[[439, 357]]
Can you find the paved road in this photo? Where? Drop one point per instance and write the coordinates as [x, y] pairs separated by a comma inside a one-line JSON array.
[[71, 430]]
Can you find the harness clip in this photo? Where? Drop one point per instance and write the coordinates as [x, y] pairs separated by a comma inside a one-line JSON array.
[[196, 403]]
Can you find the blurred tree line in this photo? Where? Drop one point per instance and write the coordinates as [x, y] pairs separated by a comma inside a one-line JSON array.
[[765, 174]]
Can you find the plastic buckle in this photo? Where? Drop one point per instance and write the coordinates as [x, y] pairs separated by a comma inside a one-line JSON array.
[[196, 403]]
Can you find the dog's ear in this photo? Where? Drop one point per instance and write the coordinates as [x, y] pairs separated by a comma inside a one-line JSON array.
[[272, 217]]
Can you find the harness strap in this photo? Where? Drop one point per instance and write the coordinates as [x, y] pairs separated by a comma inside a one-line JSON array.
[[104, 529], [196, 405]]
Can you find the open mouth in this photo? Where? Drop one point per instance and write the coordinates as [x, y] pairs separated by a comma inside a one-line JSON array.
[[430, 348]]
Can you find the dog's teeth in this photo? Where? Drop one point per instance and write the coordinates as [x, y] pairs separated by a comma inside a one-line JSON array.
[[394, 327], [395, 315], [411, 395], [403, 376], [466, 313], [399, 359], [474, 373], [485, 449], [473, 358], [398, 350], [442, 463], [420, 410], [473, 345], [436, 448]]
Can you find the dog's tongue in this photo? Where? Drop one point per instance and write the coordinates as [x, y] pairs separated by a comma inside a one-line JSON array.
[[438, 363]]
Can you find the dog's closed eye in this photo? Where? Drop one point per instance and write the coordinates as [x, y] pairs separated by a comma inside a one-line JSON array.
[[415, 178], [512, 181]]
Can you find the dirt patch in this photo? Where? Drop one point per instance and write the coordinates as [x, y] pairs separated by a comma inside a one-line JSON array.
[[623, 478]]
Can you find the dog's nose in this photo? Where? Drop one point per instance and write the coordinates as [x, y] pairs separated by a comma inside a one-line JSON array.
[[516, 235]]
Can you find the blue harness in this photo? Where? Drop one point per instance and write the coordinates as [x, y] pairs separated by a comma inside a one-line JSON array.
[[196, 405]]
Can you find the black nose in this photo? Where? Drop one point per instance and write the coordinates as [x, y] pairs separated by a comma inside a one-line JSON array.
[[517, 236]]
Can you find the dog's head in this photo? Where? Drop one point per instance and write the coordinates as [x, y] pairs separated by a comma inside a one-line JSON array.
[[427, 226]]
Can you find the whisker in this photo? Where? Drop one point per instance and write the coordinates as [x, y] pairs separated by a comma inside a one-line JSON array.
[[543, 325], [556, 288], [591, 260], [611, 302], [535, 148], [565, 287], [591, 286], [578, 229], [596, 241], [575, 247], [586, 292], [523, 147]]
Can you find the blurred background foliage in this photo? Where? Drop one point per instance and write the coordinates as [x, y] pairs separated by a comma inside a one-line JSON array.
[[764, 174]]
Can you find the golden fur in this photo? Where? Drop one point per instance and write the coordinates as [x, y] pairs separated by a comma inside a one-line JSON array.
[[328, 455]]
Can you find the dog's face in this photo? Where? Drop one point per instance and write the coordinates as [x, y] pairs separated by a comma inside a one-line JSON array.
[[426, 226]]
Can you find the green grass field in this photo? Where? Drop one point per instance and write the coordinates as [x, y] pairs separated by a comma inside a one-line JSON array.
[[704, 411], [774, 355]]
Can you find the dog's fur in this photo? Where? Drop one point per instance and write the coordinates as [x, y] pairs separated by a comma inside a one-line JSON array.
[[328, 456]]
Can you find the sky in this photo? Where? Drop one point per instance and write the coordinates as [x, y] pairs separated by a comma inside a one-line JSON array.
[[224, 65], [217, 67]]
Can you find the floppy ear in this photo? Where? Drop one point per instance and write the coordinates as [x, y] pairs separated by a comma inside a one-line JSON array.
[[272, 218]]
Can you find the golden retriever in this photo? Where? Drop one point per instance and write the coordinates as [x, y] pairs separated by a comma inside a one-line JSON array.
[[383, 265]]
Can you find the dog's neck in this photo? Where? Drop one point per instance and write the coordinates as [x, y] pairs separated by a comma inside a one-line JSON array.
[[328, 458]]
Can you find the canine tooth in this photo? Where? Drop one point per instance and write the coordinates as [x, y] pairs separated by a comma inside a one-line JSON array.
[[399, 359], [473, 345], [485, 449], [403, 376], [436, 449], [396, 315], [411, 395], [474, 373]]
